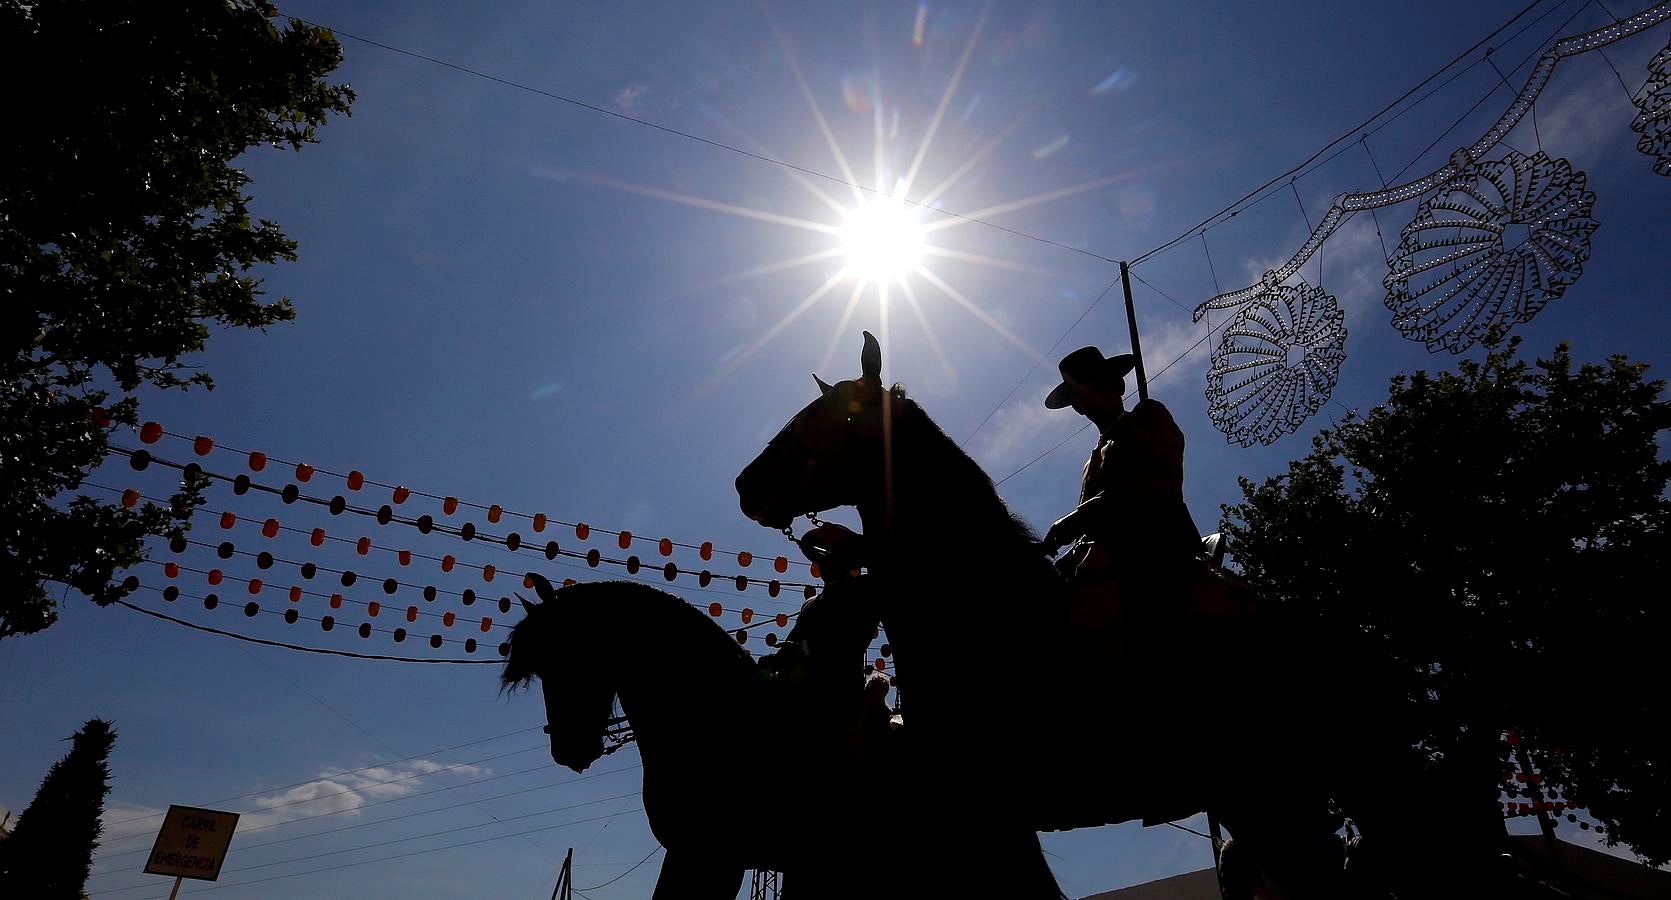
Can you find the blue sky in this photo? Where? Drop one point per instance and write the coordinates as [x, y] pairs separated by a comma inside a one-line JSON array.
[[512, 300]]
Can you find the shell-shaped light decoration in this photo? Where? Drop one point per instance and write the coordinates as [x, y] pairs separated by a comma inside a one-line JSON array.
[[1654, 120], [1496, 243], [1276, 364]]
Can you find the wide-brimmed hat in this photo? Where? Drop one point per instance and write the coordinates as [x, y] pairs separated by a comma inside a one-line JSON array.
[[1087, 367]]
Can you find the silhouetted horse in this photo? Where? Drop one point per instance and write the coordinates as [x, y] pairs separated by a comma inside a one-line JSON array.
[[725, 788], [1190, 714]]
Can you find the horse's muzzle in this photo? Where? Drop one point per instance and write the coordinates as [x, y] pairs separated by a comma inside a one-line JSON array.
[[756, 503], [578, 757]]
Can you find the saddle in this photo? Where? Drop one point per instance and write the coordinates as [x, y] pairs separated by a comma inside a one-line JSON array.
[[1112, 607]]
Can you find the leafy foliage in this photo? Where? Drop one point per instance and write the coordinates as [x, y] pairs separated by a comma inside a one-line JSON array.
[[1492, 542], [50, 852], [125, 236]]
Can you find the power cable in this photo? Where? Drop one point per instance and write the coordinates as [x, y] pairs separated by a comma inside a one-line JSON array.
[[366, 862], [626, 873], [285, 787], [284, 646], [1347, 134], [689, 136], [356, 809]]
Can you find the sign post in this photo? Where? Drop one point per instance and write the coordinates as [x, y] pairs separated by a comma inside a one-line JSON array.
[[191, 844]]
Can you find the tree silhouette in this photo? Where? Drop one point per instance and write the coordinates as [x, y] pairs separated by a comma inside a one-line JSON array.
[[51, 850], [125, 236], [1488, 541]]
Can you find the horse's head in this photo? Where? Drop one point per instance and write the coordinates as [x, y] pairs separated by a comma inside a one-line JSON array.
[[828, 453], [552, 644]]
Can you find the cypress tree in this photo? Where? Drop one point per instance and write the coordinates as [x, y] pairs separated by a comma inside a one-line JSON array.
[[50, 852]]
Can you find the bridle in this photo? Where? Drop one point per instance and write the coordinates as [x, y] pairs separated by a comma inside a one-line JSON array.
[[616, 730], [789, 530]]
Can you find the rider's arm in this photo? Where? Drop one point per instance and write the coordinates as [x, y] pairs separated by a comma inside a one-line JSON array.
[[1077, 523]]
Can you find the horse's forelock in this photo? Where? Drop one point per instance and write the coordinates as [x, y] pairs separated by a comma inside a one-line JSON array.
[[525, 635]]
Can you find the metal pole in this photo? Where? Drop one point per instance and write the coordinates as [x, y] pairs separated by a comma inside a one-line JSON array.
[[177, 879], [1131, 324], [564, 883]]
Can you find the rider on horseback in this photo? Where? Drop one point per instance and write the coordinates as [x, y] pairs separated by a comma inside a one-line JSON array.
[[1131, 519]]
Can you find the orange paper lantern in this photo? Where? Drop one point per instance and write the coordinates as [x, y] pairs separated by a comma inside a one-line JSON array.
[[447, 562], [257, 460], [401, 493], [130, 498], [295, 593], [494, 513], [581, 531], [782, 620], [228, 519], [488, 571], [318, 537], [447, 619], [748, 615], [356, 480], [304, 472], [362, 546], [254, 585], [411, 614], [270, 528], [714, 609], [624, 539], [666, 547], [150, 432], [405, 557], [449, 505], [539, 522], [781, 564], [172, 570], [215, 576], [744, 558], [203, 445], [707, 550]]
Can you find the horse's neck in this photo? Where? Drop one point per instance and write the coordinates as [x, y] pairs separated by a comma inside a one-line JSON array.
[[677, 681], [939, 509]]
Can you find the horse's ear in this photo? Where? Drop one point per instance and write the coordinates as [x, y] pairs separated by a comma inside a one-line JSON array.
[[526, 606], [542, 587], [870, 360], [822, 387]]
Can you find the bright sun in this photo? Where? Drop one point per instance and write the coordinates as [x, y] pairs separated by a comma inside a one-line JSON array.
[[882, 240]]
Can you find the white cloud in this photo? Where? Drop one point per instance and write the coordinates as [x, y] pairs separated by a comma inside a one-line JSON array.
[[1580, 117], [1022, 428], [630, 99], [346, 792], [334, 791]]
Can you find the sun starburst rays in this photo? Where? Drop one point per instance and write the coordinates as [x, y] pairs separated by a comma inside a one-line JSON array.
[[887, 239]]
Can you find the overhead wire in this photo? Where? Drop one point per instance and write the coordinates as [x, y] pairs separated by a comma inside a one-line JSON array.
[[407, 855], [690, 136], [626, 873], [1202, 227], [103, 857], [485, 507], [285, 787], [1344, 136], [467, 532]]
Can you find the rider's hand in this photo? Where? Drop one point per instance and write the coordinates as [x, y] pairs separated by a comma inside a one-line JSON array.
[[831, 545], [1062, 532]]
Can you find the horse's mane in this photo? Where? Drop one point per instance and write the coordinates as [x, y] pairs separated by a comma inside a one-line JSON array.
[[654, 619], [960, 482]]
